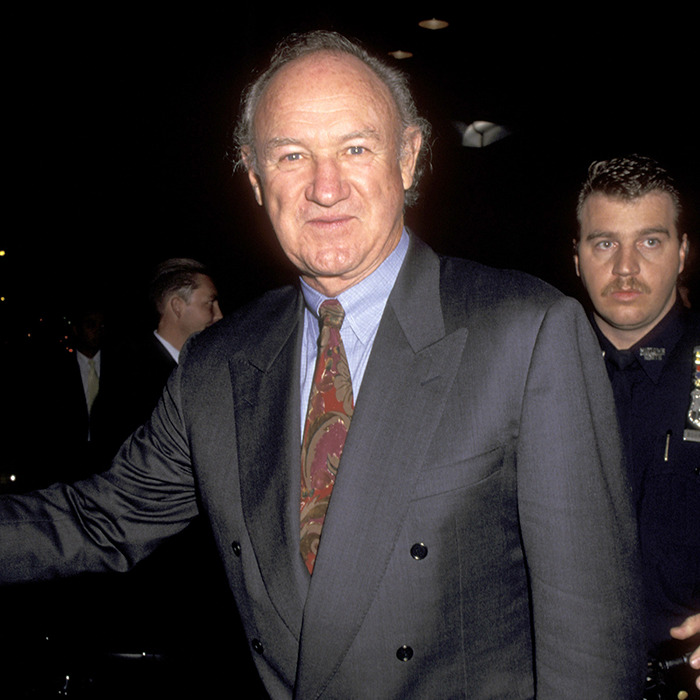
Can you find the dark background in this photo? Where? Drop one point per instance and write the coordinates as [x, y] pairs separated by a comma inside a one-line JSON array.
[[117, 155], [118, 123]]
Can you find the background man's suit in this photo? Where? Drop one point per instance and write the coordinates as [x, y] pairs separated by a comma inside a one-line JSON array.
[[46, 423], [481, 470], [146, 366]]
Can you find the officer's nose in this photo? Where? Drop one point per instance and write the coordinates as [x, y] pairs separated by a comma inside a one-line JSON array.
[[626, 261]]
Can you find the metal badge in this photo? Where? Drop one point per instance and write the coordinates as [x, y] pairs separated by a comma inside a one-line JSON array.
[[652, 353], [692, 431]]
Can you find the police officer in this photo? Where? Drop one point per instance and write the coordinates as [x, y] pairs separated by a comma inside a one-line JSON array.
[[629, 254]]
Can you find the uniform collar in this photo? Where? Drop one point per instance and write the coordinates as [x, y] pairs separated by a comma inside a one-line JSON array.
[[653, 350]]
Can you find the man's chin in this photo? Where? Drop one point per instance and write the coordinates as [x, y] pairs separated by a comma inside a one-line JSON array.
[[626, 323]]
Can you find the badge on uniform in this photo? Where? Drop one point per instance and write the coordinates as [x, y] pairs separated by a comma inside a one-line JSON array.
[[652, 353], [692, 431]]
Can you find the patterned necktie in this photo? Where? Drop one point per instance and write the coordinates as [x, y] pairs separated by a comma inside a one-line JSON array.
[[327, 422], [93, 385]]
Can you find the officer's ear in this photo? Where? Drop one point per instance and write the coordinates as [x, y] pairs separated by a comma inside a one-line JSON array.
[[575, 252], [684, 251]]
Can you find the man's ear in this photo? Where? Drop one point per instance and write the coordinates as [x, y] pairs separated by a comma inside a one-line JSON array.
[[253, 177], [176, 304], [410, 148], [578, 272]]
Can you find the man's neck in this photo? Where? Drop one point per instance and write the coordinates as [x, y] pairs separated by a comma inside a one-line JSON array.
[[87, 352], [623, 339], [620, 339], [171, 335], [168, 346]]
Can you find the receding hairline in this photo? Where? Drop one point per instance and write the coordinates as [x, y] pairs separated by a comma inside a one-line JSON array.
[[375, 81]]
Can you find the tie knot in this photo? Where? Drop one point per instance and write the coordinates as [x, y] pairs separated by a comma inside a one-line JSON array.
[[331, 313]]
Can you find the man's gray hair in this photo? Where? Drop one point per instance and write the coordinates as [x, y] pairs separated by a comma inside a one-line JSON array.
[[300, 45]]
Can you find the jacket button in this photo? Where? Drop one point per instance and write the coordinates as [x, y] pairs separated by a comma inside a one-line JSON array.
[[236, 547], [404, 653], [419, 551], [257, 646]]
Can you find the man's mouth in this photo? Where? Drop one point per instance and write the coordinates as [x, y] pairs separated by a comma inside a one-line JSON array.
[[627, 290], [330, 220]]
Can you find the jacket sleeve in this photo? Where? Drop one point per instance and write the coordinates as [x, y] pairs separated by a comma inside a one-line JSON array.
[[108, 521], [578, 526]]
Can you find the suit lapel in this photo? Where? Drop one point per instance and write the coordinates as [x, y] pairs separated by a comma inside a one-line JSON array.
[[406, 383], [265, 381]]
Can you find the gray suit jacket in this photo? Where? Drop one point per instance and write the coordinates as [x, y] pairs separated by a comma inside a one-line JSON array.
[[479, 543]]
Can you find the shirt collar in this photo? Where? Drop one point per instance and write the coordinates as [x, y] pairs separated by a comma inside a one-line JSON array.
[[364, 302], [172, 350], [84, 360], [653, 350]]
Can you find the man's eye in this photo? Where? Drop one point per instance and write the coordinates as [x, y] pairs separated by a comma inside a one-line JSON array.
[[651, 242], [604, 245], [356, 150], [291, 157]]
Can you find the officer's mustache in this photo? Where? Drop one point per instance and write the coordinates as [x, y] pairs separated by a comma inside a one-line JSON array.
[[629, 284]]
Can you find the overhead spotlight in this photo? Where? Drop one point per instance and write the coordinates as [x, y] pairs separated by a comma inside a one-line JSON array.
[[480, 134], [433, 23], [400, 54]]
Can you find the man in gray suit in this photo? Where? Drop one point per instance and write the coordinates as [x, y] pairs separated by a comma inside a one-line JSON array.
[[479, 541]]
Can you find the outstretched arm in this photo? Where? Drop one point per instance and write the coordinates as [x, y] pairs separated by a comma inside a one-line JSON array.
[[108, 521]]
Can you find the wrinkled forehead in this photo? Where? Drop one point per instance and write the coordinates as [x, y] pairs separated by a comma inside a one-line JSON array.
[[325, 83]]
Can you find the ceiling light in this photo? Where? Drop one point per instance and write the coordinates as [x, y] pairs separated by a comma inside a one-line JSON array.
[[480, 134], [433, 23], [400, 54]]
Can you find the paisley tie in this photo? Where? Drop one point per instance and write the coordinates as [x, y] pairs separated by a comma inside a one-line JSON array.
[[327, 422]]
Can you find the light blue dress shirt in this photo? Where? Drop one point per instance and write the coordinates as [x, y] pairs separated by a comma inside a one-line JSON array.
[[364, 305]]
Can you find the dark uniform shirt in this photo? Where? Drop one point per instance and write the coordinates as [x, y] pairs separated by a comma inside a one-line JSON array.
[[652, 384]]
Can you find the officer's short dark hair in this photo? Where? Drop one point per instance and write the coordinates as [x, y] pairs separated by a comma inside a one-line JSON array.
[[627, 178]]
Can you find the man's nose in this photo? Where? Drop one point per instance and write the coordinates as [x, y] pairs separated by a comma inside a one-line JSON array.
[[328, 185], [626, 261], [217, 312]]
